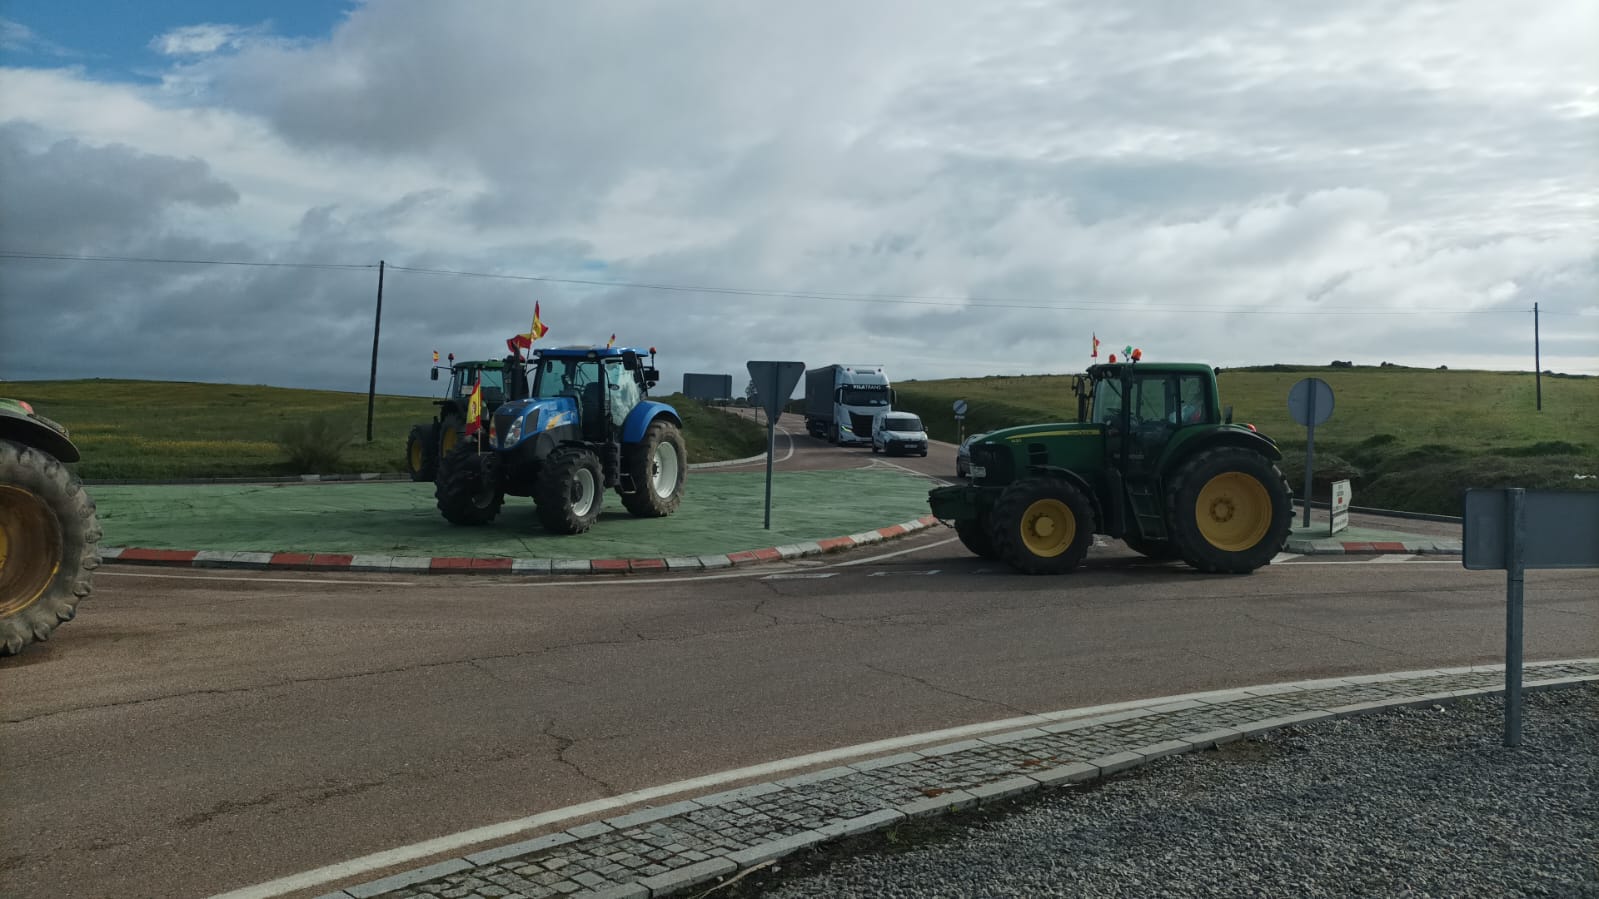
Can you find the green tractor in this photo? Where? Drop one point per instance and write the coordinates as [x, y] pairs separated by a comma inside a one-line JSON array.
[[428, 443], [1153, 459], [49, 535]]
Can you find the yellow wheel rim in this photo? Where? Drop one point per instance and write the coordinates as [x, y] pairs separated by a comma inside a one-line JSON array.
[[1048, 528], [30, 548], [416, 457], [447, 442], [1234, 511]]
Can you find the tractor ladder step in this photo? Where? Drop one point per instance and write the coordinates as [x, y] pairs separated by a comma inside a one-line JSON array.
[[1147, 510]]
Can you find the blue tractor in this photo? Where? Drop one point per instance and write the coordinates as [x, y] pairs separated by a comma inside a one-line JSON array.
[[586, 425]]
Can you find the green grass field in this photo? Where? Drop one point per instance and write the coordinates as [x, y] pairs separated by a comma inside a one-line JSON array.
[[173, 429], [1414, 437]]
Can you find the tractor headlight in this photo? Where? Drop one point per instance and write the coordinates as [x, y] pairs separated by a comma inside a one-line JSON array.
[[513, 434]]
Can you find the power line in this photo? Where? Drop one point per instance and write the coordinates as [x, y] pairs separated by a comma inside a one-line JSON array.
[[942, 301], [72, 257], [952, 302]]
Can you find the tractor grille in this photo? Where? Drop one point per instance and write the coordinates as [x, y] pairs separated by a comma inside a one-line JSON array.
[[862, 425], [996, 460], [502, 423]]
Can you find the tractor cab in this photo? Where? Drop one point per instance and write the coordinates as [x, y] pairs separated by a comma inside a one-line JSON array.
[[605, 386], [1144, 408]]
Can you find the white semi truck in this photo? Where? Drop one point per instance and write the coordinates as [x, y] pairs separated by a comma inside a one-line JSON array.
[[842, 400]]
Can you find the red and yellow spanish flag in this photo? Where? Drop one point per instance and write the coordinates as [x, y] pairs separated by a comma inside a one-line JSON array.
[[1095, 353], [611, 343], [474, 407], [525, 341]]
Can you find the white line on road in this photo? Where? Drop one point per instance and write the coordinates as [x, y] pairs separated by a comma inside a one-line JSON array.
[[908, 470], [800, 576], [904, 573], [253, 580], [1392, 559], [1380, 559], [1284, 557]]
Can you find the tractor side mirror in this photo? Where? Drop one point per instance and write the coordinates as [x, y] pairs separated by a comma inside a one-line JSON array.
[[629, 360], [434, 374], [1227, 414], [652, 376]]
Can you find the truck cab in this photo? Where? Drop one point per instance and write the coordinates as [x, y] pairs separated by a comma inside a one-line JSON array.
[[842, 400], [898, 433]]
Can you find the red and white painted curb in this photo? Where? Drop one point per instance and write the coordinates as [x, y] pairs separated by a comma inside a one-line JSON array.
[[299, 561]]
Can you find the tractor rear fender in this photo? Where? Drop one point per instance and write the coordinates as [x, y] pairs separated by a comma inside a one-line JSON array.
[[1066, 474], [30, 432], [644, 415], [1222, 436]]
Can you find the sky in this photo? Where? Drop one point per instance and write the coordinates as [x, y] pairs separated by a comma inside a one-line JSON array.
[[947, 188]]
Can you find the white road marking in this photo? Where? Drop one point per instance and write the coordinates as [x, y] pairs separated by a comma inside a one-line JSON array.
[[903, 573], [478, 835], [1392, 559], [1284, 557], [800, 576], [921, 474], [253, 580], [901, 552]]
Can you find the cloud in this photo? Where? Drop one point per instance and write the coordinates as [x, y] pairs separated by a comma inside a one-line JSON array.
[[202, 40], [1238, 182], [16, 37]]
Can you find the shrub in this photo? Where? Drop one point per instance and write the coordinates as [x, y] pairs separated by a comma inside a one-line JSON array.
[[316, 445]]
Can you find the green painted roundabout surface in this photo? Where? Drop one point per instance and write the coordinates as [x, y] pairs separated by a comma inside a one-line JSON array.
[[721, 513]]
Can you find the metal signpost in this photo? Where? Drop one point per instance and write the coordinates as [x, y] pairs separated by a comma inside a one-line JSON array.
[[1339, 507], [1310, 402], [1515, 529], [960, 419], [774, 383]]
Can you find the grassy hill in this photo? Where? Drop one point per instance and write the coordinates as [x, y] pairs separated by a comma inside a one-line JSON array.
[[1408, 438], [179, 429]]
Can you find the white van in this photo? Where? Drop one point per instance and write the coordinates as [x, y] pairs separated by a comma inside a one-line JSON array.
[[898, 432]]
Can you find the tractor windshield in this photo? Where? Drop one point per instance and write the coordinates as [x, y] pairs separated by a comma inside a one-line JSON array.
[[1108, 400], [566, 376], [466, 378]]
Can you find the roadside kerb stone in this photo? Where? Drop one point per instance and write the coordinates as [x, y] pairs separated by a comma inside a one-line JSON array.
[[571, 566], [531, 566], [661, 850], [687, 563]]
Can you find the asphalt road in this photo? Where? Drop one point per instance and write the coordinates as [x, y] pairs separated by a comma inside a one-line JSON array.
[[194, 731]]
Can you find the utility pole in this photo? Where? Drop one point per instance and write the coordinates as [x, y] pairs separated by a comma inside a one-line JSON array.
[[1537, 357], [372, 384]]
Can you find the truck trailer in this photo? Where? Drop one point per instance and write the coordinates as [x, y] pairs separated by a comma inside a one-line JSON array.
[[842, 400]]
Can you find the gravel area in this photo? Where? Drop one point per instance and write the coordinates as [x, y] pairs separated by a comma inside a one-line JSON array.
[[1413, 803]]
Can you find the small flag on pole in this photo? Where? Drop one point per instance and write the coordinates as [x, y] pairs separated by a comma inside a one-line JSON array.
[[611, 343], [474, 407], [435, 357], [1095, 353]]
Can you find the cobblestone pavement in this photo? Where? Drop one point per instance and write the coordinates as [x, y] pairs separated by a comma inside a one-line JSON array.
[[662, 850]]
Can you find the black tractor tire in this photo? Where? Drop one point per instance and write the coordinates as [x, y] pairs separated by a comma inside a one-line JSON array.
[[1229, 509], [422, 453], [49, 545], [467, 488], [1042, 526], [1159, 550], [660, 455], [975, 536], [451, 434], [568, 477]]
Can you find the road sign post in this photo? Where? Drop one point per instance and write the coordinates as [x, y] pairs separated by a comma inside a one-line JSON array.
[[1310, 402], [960, 421], [1515, 529], [774, 383]]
